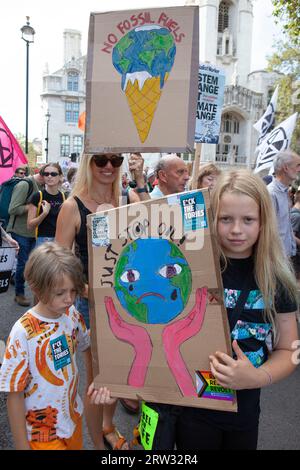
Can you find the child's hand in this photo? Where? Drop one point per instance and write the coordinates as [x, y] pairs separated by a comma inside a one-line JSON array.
[[100, 396], [237, 374]]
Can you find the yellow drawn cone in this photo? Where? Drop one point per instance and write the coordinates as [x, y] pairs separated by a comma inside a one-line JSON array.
[[143, 103]]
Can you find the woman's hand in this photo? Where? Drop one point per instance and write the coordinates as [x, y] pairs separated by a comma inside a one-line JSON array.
[[46, 207], [237, 374]]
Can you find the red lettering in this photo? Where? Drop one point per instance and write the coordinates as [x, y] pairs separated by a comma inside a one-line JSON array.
[[180, 37], [163, 19], [134, 21], [126, 25], [120, 28], [142, 19], [107, 48], [148, 18], [172, 25], [112, 38]]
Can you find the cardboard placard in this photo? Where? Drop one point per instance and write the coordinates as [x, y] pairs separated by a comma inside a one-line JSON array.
[[7, 259], [156, 302], [142, 82], [211, 88]]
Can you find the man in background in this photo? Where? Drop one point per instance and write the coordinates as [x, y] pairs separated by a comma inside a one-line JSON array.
[[286, 170], [172, 176]]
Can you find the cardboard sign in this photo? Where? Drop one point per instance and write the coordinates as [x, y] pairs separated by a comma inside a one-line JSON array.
[[7, 259], [156, 302], [142, 80], [211, 87]]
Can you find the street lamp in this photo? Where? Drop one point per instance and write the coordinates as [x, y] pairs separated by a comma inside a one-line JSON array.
[[27, 36], [47, 115]]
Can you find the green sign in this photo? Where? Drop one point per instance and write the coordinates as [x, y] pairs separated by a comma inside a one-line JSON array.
[[147, 426]]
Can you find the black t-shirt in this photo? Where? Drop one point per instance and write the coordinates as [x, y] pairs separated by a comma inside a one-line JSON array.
[[48, 226], [295, 220], [254, 336]]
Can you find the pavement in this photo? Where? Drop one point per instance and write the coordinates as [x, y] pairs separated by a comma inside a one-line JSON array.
[[280, 403]]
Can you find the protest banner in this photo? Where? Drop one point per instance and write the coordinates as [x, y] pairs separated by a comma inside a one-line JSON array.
[[265, 124], [278, 140], [11, 154], [142, 80], [156, 302], [211, 85], [7, 259]]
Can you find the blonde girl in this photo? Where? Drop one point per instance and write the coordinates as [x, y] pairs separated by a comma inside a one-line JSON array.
[[260, 296]]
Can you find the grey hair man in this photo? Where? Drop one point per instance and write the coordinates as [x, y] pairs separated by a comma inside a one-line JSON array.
[[172, 175], [286, 170]]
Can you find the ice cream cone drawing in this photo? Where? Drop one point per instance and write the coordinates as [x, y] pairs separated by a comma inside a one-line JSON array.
[[144, 57]]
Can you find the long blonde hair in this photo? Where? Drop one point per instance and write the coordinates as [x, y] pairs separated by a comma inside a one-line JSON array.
[[84, 179], [271, 267]]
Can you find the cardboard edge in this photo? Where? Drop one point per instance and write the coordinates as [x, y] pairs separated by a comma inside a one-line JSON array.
[[91, 299], [89, 74], [193, 92], [220, 283]]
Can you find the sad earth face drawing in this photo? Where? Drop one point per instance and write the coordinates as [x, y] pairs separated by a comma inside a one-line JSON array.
[[153, 280]]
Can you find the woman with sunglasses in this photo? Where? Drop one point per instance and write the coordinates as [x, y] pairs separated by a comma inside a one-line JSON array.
[[97, 187], [45, 205]]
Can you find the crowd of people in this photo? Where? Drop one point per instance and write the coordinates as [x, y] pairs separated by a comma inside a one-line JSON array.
[[259, 245]]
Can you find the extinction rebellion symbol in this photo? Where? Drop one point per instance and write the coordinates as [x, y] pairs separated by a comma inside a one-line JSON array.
[[6, 150]]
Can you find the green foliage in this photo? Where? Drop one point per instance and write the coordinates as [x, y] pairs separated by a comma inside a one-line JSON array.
[[32, 153], [286, 60], [287, 14]]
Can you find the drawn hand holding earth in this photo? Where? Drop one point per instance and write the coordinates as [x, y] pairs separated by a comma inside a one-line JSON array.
[[159, 265]]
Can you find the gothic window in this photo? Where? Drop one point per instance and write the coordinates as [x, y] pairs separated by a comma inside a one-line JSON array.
[[230, 125], [223, 17], [219, 45], [236, 126], [227, 123], [73, 79], [227, 47], [64, 145], [72, 111]]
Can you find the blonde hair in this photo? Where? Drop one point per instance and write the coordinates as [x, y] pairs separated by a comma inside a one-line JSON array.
[[207, 170], [271, 267], [84, 178], [46, 266]]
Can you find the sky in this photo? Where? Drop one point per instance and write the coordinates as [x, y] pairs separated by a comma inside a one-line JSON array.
[[50, 19]]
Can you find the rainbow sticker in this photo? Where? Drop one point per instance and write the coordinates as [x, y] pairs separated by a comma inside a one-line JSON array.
[[207, 387]]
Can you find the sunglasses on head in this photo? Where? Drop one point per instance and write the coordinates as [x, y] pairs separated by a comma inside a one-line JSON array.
[[50, 173], [102, 160]]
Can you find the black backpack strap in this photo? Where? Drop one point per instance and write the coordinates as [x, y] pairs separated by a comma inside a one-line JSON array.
[[239, 306]]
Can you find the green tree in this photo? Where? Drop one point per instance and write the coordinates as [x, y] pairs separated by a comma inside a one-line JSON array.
[[32, 153], [287, 13], [286, 60]]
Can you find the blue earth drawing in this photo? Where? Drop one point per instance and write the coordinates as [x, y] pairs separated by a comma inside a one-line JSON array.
[[153, 280]]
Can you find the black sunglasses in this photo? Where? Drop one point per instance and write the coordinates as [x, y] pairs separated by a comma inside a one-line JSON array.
[[102, 160], [51, 173], [20, 172]]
